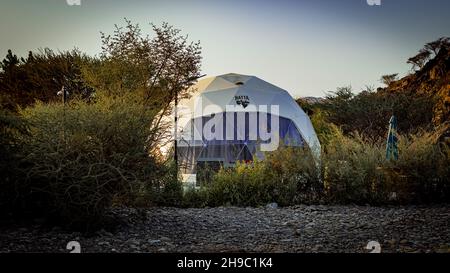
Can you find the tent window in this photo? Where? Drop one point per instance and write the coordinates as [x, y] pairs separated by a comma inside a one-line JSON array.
[[245, 154], [243, 145]]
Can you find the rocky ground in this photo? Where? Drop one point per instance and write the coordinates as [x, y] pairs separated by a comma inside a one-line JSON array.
[[295, 229]]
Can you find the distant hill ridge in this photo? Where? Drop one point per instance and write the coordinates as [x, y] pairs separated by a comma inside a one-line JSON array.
[[312, 100], [420, 99]]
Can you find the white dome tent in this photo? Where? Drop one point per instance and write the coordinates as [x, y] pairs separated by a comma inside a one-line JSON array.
[[247, 108]]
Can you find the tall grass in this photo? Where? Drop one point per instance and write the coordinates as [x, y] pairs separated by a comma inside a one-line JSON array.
[[423, 170], [352, 170], [287, 177]]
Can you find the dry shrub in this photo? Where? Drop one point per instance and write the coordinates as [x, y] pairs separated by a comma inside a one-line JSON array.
[[80, 157], [352, 170], [288, 176], [356, 171], [423, 168]]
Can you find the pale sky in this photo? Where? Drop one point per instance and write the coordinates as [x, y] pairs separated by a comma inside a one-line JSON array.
[[305, 47]]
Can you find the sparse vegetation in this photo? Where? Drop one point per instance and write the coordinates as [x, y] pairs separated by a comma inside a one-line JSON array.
[[72, 161], [353, 170]]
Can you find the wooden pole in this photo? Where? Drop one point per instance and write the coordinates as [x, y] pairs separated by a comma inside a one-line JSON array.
[[176, 134]]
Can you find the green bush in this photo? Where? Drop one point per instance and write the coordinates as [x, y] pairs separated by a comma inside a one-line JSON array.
[[11, 127], [165, 190], [368, 112], [79, 158], [423, 169], [352, 169], [326, 131], [197, 198], [72, 162], [246, 185], [288, 176], [356, 171]]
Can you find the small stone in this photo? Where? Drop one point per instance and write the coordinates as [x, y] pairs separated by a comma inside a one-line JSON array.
[[392, 242], [317, 248], [272, 206], [289, 224], [169, 244], [231, 229], [154, 242]]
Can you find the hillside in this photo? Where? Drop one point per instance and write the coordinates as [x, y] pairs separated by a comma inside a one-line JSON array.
[[420, 100], [433, 80]]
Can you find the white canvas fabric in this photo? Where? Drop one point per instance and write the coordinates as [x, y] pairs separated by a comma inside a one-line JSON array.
[[220, 91], [215, 94]]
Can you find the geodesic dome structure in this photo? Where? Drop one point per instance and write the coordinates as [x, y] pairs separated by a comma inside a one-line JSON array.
[[252, 102]]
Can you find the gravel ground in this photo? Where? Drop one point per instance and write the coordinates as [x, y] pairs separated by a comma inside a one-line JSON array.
[[295, 229]]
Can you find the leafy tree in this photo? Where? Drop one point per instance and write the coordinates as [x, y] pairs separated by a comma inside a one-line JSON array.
[[306, 106], [40, 76], [437, 45], [368, 112], [10, 61], [159, 68], [77, 159], [419, 61], [424, 55], [364, 113], [388, 79]]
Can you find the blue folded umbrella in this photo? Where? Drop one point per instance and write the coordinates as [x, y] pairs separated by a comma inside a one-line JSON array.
[[392, 140]]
